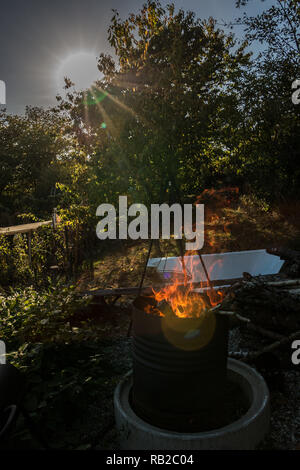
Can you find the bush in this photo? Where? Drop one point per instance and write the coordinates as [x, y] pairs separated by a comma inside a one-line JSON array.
[[28, 315]]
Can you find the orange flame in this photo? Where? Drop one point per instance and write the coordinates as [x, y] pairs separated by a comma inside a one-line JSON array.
[[184, 302], [216, 200]]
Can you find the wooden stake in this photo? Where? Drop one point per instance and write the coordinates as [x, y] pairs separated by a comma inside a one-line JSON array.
[[142, 282], [29, 235]]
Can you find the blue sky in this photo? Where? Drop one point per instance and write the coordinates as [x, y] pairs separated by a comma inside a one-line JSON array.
[[37, 35]]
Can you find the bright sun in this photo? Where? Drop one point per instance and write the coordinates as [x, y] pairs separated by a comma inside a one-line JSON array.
[[81, 68]]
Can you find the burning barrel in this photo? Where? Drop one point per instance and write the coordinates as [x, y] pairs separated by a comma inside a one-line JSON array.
[[179, 368]]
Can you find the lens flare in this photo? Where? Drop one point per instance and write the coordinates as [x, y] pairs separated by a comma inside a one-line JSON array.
[[94, 96]]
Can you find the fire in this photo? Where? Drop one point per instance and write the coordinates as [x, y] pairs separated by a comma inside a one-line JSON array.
[[216, 200], [184, 302], [180, 297]]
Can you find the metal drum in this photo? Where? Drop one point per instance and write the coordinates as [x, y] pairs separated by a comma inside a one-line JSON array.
[[179, 368]]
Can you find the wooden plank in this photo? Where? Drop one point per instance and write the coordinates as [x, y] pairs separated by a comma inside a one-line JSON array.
[[285, 283], [119, 291], [25, 228], [197, 287]]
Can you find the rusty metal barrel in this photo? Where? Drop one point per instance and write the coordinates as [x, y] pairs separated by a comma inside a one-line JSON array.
[[179, 369]]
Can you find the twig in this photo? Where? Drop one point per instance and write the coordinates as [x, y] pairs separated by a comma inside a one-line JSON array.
[[288, 283], [253, 327], [183, 261], [205, 270], [273, 346], [145, 267], [237, 315], [141, 283], [269, 334], [238, 355]]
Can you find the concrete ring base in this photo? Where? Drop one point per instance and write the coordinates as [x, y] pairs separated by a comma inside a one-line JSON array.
[[243, 434]]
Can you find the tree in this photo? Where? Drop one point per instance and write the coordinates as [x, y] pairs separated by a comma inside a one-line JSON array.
[[31, 153], [169, 103], [271, 144]]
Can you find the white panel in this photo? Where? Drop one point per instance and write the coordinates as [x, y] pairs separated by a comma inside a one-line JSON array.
[[222, 266]]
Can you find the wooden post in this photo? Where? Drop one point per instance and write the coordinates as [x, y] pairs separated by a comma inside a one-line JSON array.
[[67, 249], [54, 219], [29, 235]]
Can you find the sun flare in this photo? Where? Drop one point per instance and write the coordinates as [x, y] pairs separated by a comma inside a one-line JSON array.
[[81, 68]]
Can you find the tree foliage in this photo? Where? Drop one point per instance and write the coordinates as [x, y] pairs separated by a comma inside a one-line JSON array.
[[271, 151]]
